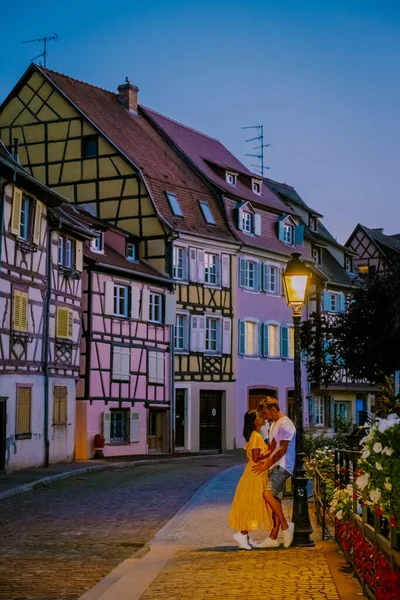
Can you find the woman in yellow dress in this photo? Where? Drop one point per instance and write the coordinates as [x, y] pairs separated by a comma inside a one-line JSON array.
[[249, 511]]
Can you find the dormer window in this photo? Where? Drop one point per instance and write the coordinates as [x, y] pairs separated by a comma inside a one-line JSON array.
[[256, 186], [207, 214], [348, 264], [313, 224], [316, 252], [131, 251], [247, 222], [230, 177], [174, 204], [97, 243], [288, 234]]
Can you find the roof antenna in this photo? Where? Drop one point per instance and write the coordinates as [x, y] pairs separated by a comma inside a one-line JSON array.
[[260, 138], [44, 53]]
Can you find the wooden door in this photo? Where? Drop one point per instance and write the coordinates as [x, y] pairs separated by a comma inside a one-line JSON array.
[[210, 420], [155, 437], [180, 396]]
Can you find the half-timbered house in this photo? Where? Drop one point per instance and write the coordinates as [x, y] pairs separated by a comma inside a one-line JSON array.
[[97, 148], [41, 262], [373, 249], [124, 392]]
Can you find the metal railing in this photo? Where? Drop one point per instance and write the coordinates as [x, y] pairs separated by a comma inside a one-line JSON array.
[[321, 505]]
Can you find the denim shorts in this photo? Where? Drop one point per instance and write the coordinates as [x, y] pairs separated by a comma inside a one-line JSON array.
[[276, 482]]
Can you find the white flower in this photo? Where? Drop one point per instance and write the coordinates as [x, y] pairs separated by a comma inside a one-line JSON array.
[[387, 423], [387, 451], [339, 515], [377, 447], [362, 481], [393, 417], [388, 486], [366, 453], [378, 466], [375, 495]]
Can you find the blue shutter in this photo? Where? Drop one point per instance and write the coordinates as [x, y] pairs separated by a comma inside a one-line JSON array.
[[260, 339], [257, 276], [284, 342], [326, 300], [241, 338], [342, 303], [327, 355], [281, 228], [242, 272], [264, 277], [299, 235], [265, 339]]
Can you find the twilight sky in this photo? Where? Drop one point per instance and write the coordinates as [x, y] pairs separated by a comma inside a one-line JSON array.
[[322, 76]]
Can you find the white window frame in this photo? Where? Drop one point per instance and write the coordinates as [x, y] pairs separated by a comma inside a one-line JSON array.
[[316, 252], [256, 185], [97, 244], [247, 222], [313, 223], [319, 411], [230, 177], [208, 339], [177, 250], [334, 299], [255, 327], [288, 233], [276, 351], [131, 255], [155, 304], [184, 347], [117, 296], [211, 271], [347, 264], [272, 268], [247, 274]]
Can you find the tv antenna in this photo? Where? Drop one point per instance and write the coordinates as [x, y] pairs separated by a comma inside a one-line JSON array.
[[44, 40], [259, 138]]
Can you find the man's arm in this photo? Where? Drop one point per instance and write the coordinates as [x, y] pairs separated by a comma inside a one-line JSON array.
[[267, 464]]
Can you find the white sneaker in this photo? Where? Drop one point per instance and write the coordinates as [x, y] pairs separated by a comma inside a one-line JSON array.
[[267, 543], [288, 535], [242, 540]]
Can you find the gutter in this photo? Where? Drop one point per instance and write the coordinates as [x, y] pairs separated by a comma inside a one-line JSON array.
[[135, 273]]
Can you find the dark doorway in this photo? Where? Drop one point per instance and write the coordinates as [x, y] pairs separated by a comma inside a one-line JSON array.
[[290, 405], [210, 420], [180, 398], [2, 434], [255, 397]]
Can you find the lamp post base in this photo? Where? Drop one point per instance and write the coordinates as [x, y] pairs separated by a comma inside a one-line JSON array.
[[300, 516]]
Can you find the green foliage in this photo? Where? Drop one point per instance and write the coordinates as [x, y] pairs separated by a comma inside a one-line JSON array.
[[341, 505], [313, 442]]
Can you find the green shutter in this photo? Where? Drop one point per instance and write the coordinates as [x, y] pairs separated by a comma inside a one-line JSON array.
[[242, 272], [265, 339], [284, 342], [299, 235], [241, 338]]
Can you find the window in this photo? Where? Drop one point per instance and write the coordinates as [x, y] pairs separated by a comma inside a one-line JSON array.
[[316, 252], [24, 223], [131, 251], [256, 186], [66, 252], [231, 178], [156, 367], [271, 279], [251, 338], [211, 334], [121, 300], [179, 260], [90, 146], [348, 264], [121, 359], [174, 204], [23, 411], [155, 313], [210, 268], [64, 323], [97, 244], [313, 224], [319, 410], [247, 222], [207, 214], [119, 425], [181, 333], [60, 404], [273, 341], [334, 303], [250, 281], [20, 311], [291, 342], [288, 234]]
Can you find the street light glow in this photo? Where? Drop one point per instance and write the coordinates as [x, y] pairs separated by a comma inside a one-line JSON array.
[[295, 280]]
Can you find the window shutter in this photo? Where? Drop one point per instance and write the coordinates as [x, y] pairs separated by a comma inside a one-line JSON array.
[[23, 410], [226, 336], [79, 256], [16, 310], [64, 323], [240, 219], [260, 340], [56, 404], [242, 338], [200, 266], [326, 300], [125, 363], [265, 270], [225, 262], [37, 227], [135, 302], [170, 309], [145, 305], [192, 264], [70, 324], [280, 285], [109, 298], [24, 311], [242, 272], [299, 235], [265, 339], [257, 276], [134, 434], [257, 224], [194, 323], [201, 335], [16, 211], [107, 426], [284, 342], [342, 302], [116, 362], [152, 366], [160, 359], [281, 230]]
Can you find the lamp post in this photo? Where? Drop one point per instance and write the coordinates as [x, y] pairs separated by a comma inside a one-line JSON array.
[[295, 280]]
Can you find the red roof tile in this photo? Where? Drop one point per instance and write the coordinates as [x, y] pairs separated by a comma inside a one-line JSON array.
[[163, 169]]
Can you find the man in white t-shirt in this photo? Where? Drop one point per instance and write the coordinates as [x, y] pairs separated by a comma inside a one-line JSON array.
[[282, 443]]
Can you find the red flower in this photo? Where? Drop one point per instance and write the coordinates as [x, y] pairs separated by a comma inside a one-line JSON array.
[[394, 522], [379, 511]]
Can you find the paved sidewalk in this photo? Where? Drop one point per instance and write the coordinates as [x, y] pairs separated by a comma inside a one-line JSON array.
[[194, 557]]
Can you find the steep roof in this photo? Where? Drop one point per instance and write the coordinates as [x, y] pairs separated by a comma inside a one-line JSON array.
[[333, 271], [162, 168], [213, 159], [386, 242]]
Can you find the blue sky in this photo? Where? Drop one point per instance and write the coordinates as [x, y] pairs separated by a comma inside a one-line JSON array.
[[321, 76]]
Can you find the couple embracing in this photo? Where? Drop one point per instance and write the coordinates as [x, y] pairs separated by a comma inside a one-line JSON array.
[[257, 504]]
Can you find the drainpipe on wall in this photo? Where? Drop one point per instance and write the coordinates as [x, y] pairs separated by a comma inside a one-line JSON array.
[[172, 389], [46, 350]]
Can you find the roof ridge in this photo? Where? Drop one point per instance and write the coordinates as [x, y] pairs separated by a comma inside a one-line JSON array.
[[280, 183], [146, 108], [91, 85]]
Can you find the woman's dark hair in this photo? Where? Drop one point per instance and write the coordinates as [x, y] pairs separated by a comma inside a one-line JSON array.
[[249, 423]]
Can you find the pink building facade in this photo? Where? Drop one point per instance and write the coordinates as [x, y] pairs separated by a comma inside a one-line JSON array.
[[126, 383]]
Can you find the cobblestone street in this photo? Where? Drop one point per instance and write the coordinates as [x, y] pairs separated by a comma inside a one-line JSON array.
[[59, 541]]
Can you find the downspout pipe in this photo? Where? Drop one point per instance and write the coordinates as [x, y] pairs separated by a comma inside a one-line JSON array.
[[46, 351], [172, 389]]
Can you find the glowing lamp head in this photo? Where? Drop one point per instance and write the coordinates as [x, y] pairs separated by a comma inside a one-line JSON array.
[[295, 280]]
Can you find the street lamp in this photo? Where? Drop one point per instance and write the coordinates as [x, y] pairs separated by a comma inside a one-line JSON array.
[[295, 280]]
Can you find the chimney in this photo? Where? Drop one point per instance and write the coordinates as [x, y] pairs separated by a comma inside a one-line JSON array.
[[378, 229], [128, 95]]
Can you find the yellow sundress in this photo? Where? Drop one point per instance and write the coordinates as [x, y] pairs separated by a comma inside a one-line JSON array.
[[248, 511]]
